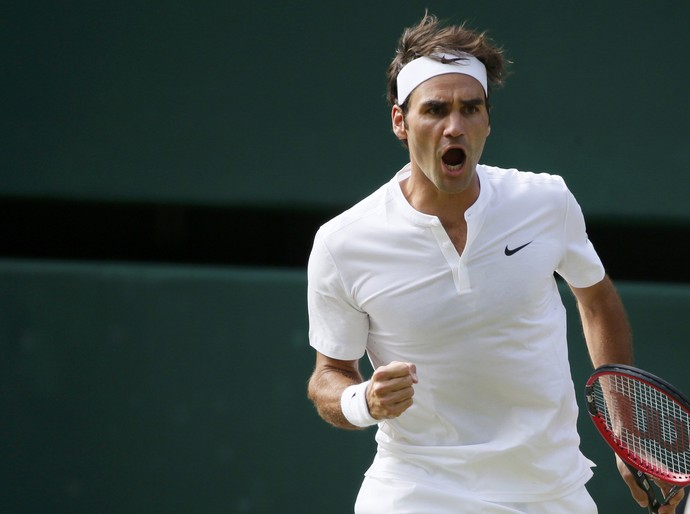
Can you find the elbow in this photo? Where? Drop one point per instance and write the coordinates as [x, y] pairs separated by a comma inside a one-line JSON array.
[[312, 391]]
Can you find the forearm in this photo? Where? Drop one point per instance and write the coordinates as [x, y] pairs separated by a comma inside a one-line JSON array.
[[325, 388], [609, 343]]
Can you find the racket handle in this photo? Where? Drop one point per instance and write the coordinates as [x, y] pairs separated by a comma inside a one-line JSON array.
[[642, 480]]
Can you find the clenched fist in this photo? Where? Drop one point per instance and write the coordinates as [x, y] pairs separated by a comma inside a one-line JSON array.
[[390, 390]]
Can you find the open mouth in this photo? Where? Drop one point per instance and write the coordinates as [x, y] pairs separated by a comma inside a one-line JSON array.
[[454, 158]]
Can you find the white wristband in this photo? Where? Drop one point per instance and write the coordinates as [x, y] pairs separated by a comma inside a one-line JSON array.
[[353, 403]]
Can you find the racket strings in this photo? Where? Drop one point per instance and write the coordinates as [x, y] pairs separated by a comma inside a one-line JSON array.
[[646, 422]]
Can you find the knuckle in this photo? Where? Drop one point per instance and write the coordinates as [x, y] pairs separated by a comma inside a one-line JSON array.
[[375, 387]]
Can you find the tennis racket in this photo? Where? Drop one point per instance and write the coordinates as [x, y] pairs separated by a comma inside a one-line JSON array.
[[647, 423]]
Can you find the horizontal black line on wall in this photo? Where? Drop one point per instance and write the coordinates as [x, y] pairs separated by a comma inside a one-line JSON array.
[[642, 250], [151, 232]]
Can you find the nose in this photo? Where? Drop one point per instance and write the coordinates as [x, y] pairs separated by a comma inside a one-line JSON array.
[[455, 125]]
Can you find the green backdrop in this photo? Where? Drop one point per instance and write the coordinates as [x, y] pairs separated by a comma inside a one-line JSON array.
[[152, 388], [282, 103], [158, 389]]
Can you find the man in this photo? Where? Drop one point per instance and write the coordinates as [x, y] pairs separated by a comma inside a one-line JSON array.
[[445, 278]]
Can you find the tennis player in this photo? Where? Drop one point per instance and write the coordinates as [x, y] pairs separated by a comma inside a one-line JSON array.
[[444, 277]]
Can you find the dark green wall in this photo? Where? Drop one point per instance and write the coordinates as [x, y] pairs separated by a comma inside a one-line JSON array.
[[216, 134], [149, 389], [158, 389], [273, 102]]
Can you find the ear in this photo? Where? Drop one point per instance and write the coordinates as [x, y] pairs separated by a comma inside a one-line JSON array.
[[398, 120], [488, 131]]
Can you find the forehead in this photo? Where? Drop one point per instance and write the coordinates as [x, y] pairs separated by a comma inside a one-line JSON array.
[[449, 86]]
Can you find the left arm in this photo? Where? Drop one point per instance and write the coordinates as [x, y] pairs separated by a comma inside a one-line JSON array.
[[609, 341], [605, 324]]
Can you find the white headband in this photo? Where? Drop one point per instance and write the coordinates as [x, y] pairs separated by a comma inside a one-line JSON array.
[[422, 69]]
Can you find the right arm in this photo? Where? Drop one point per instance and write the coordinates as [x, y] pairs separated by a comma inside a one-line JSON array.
[[389, 393], [326, 386]]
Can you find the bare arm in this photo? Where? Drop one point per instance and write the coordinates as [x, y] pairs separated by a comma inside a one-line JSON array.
[[326, 385], [388, 395], [605, 324], [609, 341]]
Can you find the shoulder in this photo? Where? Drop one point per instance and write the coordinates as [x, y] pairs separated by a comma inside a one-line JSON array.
[[512, 178], [539, 189], [357, 229], [362, 216], [526, 194]]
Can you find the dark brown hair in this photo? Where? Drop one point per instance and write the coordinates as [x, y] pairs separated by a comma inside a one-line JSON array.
[[430, 37]]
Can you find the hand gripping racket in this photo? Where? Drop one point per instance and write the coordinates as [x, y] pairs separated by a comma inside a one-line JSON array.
[[647, 423]]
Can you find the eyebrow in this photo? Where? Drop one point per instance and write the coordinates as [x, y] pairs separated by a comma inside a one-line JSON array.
[[473, 101], [469, 101]]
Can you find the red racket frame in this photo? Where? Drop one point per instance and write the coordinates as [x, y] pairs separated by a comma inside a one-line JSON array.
[[614, 441]]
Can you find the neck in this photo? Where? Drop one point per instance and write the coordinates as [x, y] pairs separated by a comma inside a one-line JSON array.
[[425, 197]]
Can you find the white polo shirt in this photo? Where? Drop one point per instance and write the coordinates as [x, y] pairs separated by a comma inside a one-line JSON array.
[[494, 411]]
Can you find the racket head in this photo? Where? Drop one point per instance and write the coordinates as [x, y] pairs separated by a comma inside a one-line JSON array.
[[644, 419]]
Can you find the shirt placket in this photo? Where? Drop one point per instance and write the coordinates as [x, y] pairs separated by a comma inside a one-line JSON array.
[[455, 261]]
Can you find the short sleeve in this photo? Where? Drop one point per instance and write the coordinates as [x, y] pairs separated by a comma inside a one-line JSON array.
[[337, 327], [580, 265]]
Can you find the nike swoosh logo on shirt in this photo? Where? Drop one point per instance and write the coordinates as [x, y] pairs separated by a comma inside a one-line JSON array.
[[511, 251]]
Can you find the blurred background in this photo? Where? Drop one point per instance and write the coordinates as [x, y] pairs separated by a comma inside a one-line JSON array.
[[165, 165]]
